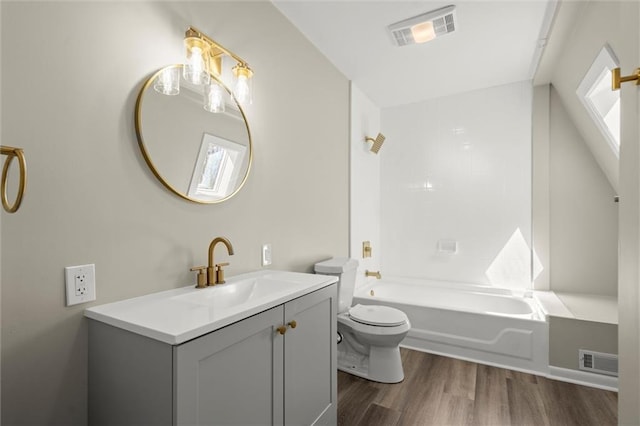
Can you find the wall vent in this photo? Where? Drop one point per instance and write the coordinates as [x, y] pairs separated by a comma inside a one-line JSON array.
[[598, 362], [442, 21]]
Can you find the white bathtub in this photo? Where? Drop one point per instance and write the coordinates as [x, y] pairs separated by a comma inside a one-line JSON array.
[[478, 323]]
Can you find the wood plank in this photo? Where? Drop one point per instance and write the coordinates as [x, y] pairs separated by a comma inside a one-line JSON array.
[[443, 391], [523, 377], [353, 401], [602, 406], [416, 368], [491, 400], [377, 415], [526, 406], [422, 405], [570, 404], [453, 410], [461, 378]]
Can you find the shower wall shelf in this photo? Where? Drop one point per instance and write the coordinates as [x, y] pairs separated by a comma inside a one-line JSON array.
[[12, 153]]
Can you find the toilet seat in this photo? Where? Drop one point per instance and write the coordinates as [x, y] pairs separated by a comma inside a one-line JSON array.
[[379, 316]]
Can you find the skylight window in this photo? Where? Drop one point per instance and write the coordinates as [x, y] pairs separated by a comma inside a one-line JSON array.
[[602, 103]]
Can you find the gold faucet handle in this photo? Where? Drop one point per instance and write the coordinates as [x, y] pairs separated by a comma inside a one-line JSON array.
[[202, 276], [220, 272]]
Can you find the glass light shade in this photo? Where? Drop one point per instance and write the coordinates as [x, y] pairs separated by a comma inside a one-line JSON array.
[[195, 68], [168, 82], [214, 97], [242, 89], [423, 32]]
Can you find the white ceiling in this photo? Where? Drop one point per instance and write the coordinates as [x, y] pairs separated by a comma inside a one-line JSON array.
[[495, 43]]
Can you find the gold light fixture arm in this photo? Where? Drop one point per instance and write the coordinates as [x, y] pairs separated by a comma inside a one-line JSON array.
[[11, 152], [217, 48], [616, 79]]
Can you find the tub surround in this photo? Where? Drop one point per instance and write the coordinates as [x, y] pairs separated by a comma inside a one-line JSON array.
[[456, 172]]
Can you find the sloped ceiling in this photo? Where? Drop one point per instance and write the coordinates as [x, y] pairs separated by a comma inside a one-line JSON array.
[[495, 43], [580, 31]]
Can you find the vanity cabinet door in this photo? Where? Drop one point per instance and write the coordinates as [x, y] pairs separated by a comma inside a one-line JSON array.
[[233, 375], [310, 372]]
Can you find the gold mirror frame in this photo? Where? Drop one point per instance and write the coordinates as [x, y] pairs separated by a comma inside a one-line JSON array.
[[145, 151]]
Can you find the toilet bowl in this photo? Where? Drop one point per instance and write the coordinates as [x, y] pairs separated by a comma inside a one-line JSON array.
[[368, 335]]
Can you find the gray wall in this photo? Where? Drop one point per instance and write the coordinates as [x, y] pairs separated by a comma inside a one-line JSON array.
[[597, 23], [70, 74], [583, 215], [568, 336], [575, 227]]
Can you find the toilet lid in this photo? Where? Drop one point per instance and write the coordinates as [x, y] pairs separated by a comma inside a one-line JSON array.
[[377, 315]]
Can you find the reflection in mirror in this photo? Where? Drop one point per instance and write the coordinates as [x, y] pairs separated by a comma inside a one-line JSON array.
[[217, 169], [199, 155]]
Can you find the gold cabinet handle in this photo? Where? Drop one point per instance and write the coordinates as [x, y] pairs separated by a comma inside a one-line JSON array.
[[283, 328]]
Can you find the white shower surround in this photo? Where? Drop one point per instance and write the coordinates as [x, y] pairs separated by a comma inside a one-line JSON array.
[[458, 169]]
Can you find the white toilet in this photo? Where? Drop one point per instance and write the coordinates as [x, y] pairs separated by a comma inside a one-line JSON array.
[[368, 335]]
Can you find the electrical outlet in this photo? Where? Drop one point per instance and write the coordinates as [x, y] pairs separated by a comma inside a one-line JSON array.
[[80, 283], [266, 254]]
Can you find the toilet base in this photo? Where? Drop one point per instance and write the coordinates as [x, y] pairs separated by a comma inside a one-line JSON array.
[[381, 364]]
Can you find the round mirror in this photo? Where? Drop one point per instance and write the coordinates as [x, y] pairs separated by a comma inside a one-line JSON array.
[[199, 155]]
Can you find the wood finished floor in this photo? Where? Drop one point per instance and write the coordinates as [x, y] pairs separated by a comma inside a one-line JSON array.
[[445, 391]]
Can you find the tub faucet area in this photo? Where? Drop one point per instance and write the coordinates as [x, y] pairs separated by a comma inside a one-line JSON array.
[[372, 274]]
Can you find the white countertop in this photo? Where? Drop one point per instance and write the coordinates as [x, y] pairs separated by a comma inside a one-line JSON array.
[[176, 316]]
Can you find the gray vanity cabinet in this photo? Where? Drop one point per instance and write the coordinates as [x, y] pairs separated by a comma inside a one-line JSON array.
[[247, 373]]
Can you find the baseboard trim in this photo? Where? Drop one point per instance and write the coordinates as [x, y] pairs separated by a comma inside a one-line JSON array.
[[584, 378]]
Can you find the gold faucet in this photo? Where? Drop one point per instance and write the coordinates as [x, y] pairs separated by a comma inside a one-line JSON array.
[[215, 273], [373, 274]]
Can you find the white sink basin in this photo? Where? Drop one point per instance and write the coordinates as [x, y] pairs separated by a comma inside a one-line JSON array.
[[233, 293], [175, 316]]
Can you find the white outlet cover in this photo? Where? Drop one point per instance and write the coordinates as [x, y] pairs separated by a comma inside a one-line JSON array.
[[80, 283], [266, 254]]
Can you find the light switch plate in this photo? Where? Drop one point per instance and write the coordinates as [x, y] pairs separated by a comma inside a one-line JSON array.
[[80, 282]]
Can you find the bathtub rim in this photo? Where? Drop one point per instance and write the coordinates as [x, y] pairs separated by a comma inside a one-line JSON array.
[[538, 314]]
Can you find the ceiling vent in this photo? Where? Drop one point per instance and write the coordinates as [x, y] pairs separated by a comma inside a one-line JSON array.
[[425, 27]]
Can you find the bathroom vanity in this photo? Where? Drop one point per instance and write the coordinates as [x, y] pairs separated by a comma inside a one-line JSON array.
[[260, 349]]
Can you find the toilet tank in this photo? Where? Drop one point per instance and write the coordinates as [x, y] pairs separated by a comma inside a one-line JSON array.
[[345, 269]]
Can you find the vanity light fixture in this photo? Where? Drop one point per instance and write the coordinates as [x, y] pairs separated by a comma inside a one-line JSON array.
[[203, 58], [202, 61], [168, 82]]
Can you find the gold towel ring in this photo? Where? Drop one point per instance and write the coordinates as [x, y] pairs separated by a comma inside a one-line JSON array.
[[11, 153]]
